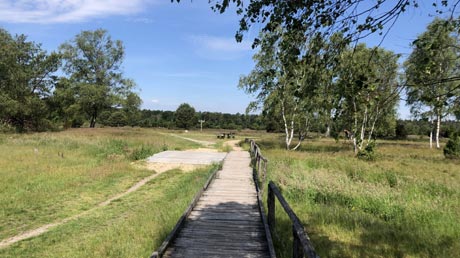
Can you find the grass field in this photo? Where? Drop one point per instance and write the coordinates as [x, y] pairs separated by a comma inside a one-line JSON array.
[[50, 176], [404, 204]]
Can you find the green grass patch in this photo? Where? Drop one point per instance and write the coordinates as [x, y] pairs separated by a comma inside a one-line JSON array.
[[49, 176], [133, 226], [402, 204]]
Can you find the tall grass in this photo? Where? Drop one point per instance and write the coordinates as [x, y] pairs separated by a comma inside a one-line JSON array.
[[133, 226], [404, 204], [49, 176]]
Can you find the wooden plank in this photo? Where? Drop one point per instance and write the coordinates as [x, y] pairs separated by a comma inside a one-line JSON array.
[[226, 220], [224, 217], [230, 206], [192, 252], [222, 244], [218, 224]]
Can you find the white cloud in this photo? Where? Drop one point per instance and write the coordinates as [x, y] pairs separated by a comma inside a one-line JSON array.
[[155, 101], [220, 43], [61, 11], [140, 20], [219, 48]]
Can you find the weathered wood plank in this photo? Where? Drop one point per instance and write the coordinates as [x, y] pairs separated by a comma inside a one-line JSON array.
[[225, 221], [191, 252]]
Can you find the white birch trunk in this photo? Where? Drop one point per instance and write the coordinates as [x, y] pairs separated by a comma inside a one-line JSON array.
[[355, 145], [286, 129], [289, 131], [363, 130], [301, 138], [373, 126], [431, 138], [438, 128]]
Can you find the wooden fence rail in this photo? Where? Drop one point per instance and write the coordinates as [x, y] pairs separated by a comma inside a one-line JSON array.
[[259, 162], [301, 245]]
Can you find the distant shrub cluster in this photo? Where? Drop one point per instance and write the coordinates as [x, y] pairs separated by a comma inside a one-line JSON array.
[[452, 149]]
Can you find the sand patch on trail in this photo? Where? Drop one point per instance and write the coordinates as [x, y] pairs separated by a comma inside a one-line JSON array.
[[233, 144], [204, 150], [163, 167]]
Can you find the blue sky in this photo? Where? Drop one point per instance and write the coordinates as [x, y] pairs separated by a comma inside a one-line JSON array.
[[176, 53]]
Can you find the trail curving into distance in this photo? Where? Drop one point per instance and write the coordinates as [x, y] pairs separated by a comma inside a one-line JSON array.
[[45, 228]]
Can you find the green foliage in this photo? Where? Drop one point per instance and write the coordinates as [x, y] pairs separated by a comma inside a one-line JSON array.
[[401, 130], [114, 146], [429, 69], [26, 81], [452, 148], [96, 83], [143, 152], [367, 82], [368, 153], [392, 178], [185, 116]]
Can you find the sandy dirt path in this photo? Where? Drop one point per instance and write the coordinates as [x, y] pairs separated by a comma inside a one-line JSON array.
[[205, 143], [45, 228]]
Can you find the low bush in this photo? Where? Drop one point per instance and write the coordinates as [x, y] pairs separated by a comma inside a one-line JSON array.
[[142, 153], [452, 149], [368, 153]]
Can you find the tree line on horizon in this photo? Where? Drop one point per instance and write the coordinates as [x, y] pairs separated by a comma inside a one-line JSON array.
[[301, 85]]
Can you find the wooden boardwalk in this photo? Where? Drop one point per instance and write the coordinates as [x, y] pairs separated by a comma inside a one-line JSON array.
[[226, 221]]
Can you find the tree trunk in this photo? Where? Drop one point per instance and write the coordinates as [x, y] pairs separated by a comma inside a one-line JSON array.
[[328, 131], [363, 130], [438, 128], [92, 122], [431, 138], [286, 129], [355, 145]]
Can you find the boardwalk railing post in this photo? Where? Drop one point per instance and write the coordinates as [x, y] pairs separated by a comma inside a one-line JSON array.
[[297, 248], [271, 209], [258, 163], [265, 172]]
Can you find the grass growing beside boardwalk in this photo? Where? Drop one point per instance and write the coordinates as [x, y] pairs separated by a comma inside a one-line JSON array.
[[134, 226], [404, 204], [50, 176]]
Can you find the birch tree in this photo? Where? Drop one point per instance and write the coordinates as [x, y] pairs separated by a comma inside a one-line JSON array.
[[280, 84], [434, 59], [367, 80]]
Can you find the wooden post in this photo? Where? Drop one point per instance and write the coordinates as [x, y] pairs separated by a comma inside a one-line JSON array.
[[265, 171], [297, 250], [271, 210], [258, 163]]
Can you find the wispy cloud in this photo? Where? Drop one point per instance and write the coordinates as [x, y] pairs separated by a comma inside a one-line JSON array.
[[61, 11], [140, 20], [155, 101], [219, 48], [220, 43]]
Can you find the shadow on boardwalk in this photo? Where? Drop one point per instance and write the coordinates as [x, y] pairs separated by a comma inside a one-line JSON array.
[[221, 229]]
